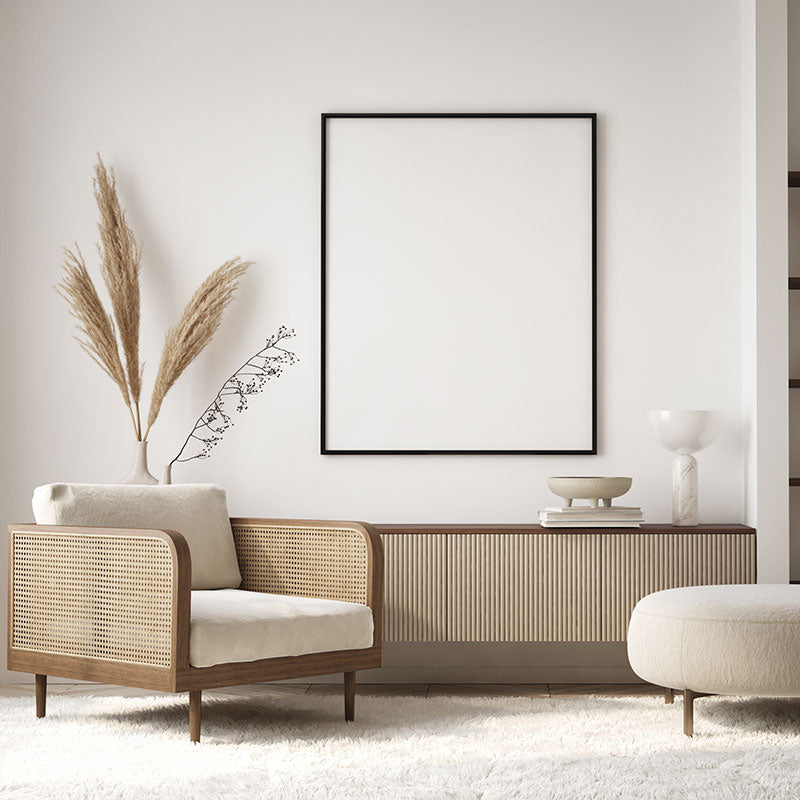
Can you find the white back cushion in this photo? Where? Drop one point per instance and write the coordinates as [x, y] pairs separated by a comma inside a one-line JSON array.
[[196, 510]]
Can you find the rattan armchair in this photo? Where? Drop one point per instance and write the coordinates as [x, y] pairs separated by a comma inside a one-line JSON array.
[[112, 605]]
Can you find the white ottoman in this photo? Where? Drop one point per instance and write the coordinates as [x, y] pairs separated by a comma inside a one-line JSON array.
[[742, 639]]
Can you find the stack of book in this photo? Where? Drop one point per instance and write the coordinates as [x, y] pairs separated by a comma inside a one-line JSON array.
[[588, 517]]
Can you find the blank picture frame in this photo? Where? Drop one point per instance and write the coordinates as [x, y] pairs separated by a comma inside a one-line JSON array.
[[459, 270]]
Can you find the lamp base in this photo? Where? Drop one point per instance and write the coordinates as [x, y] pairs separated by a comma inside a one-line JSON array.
[[684, 490]]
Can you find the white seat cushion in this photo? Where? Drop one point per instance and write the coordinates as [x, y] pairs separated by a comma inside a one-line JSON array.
[[235, 625], [198, 511], [719, 639]]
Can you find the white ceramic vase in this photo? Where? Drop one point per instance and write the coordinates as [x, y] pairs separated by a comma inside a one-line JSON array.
[[684, 433], [139, 473]]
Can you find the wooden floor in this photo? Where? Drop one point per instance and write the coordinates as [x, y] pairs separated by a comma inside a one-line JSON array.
[[366, 689]]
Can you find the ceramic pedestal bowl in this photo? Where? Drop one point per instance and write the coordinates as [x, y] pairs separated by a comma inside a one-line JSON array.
[[591, 489]]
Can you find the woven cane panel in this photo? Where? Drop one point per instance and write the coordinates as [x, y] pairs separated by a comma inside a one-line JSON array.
[[306, 562], [106, 597], [415, 595]]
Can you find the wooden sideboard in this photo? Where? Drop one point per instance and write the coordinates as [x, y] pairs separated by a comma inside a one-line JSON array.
[[525, 583]]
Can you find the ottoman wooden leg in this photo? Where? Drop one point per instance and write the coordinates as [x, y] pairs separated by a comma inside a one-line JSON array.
[[669, 696], [688, 712], [41, 695], [688, 709]]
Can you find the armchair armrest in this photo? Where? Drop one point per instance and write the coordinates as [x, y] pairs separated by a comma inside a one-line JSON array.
[[312, 558], [81, 596]]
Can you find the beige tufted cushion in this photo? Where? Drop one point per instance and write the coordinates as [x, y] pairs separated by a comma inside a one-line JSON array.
[[196, 510], [719, 639]]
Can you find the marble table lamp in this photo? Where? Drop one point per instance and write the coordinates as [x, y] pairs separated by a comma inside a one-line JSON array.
[[684, 433]]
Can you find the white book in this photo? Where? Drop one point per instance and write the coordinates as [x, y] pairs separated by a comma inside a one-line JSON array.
[[626, 523], [556, 515], [590, 510], [589, 515]]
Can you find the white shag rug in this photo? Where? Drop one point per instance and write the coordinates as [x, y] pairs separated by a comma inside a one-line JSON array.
[[299, 746]]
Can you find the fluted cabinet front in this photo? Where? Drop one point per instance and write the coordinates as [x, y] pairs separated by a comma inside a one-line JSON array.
[[544, 585], [415, 588], [518, 588], [638, 564]]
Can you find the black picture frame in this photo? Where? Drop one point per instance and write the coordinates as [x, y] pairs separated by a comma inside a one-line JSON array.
[[325, 119]]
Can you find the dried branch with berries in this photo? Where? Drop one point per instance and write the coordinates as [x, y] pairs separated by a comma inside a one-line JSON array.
[[251, 378]]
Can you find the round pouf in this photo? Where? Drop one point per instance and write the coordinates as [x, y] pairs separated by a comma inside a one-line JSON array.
[[719, 639]]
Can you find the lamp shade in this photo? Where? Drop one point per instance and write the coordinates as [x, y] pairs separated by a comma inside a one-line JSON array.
[[685, 432]]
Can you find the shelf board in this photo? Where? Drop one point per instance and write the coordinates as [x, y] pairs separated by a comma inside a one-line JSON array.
[[794, 481], [794, 283], [794, 180], [794, 383]]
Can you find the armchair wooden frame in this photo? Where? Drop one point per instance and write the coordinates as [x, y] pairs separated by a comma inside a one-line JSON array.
[[112, 605]]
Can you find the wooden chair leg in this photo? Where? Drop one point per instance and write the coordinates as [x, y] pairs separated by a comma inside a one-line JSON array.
[[195, 715], [669, 696], [349, 696], [41, 695]]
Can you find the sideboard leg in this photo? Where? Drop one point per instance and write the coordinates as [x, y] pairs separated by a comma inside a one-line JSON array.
[[669, 696]]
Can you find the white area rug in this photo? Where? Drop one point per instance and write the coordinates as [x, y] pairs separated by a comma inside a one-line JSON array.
[[298, 746]]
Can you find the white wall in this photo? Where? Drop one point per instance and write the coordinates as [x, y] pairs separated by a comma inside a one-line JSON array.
[[210, 114]]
